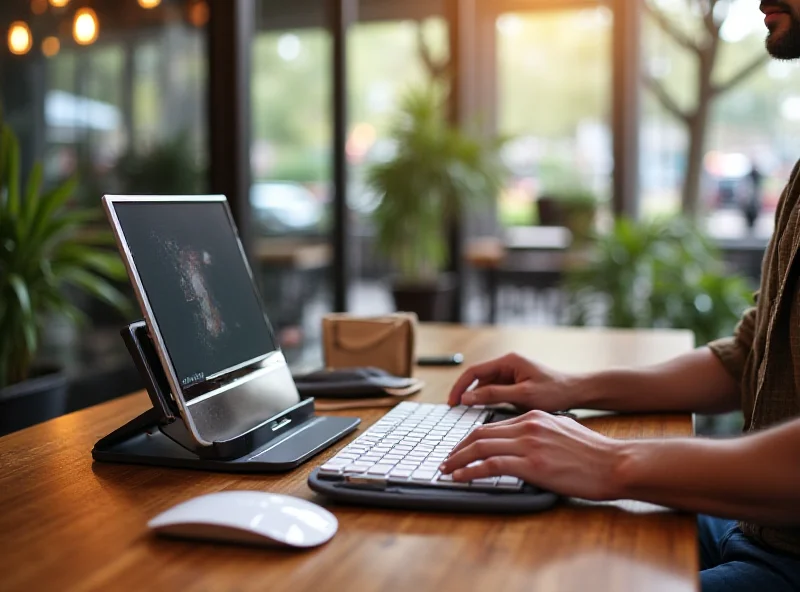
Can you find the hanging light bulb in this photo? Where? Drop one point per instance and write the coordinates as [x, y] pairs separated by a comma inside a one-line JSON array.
[[59, 3], [51, 46], [147, 4], [20, 39], [85, 27]]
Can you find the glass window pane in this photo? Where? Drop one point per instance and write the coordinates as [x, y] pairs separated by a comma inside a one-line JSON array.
[[291, 162], [124, 113], [554, 71], [384, 65]]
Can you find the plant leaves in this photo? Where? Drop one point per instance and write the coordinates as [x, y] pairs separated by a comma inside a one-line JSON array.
[[97, 287], [28, 322], [32, 191], [49, 203], [12, 172]]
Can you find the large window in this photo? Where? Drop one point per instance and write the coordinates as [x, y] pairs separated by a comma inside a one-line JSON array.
[[385, 64], [554, 70], [291, 157], [124, 111], [752, 125]]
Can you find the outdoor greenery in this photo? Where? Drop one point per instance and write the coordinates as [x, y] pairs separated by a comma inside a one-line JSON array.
[[703, 41], [436, 171], [45, 248], [167, 168], [662, 274]]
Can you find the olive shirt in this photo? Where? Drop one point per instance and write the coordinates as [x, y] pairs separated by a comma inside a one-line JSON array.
[[764, 354]]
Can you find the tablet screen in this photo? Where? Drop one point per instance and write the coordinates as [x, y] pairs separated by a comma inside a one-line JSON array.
[[198, 286]]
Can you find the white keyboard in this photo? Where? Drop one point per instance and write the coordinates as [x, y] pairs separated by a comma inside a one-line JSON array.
[[406, 447]]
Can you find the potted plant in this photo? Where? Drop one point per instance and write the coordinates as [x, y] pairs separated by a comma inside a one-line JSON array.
[[660, 274], [435, 173], [45, 249]]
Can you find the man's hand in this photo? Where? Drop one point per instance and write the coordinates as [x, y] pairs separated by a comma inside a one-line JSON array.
[[554, 453], [513, 379]]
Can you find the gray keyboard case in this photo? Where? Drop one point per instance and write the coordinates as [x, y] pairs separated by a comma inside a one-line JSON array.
[[408, 497]]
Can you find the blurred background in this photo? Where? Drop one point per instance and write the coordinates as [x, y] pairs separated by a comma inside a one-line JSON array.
[[527, 162]]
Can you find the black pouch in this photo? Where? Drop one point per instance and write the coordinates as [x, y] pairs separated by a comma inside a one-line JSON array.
[[354, 383]]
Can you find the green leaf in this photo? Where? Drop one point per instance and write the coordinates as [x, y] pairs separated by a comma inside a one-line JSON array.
[[30, 204], [97, 287], [12, 172], [49, 203], [106, 263], [21, 290], [27, 322]]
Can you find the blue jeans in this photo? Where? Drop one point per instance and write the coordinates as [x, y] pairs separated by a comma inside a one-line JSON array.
[[731, 562]]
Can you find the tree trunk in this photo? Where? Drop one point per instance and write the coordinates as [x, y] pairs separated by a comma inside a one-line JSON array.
[[693, 178], [697, 124]]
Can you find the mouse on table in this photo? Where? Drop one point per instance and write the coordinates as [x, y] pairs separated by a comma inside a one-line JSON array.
[[249, 517]]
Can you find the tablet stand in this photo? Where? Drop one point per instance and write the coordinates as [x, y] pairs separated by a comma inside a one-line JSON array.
[[159, 437]]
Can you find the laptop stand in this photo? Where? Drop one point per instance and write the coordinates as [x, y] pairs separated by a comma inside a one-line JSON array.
[[159, 437]]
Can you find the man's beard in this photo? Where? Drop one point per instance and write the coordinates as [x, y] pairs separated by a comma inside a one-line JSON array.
[[786, 44]]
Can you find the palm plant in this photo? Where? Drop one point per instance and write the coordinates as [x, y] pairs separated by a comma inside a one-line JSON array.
[[45, 248], [436, 172]]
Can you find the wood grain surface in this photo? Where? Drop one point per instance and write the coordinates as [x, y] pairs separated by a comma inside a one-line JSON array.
[[69, 523]]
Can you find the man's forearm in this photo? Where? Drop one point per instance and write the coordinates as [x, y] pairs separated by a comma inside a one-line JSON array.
[[696, 382], [753, 478]]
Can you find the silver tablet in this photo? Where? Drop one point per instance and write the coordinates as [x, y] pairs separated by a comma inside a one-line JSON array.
[[204, 313]]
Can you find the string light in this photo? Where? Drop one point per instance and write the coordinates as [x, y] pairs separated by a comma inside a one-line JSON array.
[[149, 3], [59, 3], [85, 27], [20, 39], [51, 46]]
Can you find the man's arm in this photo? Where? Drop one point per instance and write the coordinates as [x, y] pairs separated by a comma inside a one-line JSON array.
[[707, 381], [754, 478], [696, 382]]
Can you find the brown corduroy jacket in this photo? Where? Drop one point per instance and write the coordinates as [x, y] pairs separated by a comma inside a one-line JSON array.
[[764, 354]]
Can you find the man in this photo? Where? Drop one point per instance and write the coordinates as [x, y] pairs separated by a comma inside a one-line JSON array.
[[751, 482]]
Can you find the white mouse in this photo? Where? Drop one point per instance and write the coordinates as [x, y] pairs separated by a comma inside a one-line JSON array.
[[250, 517]]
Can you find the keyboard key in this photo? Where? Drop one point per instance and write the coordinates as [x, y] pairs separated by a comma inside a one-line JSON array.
[[507, 482], [484, 481], [380, 470], [357, 468], [400, 473], [423, 475]]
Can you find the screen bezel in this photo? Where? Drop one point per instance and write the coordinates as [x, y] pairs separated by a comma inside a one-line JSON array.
[[209, 417]]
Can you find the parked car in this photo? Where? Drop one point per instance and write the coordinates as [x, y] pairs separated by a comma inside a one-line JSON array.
[[286, 208]]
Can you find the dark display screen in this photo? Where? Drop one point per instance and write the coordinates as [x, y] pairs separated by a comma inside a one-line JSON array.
[[198, 286]]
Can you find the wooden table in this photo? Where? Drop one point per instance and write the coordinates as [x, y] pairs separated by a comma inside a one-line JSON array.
[[67, 523]]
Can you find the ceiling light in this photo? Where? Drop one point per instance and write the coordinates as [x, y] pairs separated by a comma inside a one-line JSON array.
[[51, 46], [85, 27], [20, 39]]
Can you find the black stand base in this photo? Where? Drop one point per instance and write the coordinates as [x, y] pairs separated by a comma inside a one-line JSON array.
[[157, 437], [141, 442]]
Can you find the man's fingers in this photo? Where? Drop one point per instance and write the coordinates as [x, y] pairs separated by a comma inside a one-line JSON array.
[[482, 450], [497, 393], [497, 466], [505, 429], [486, 373]]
